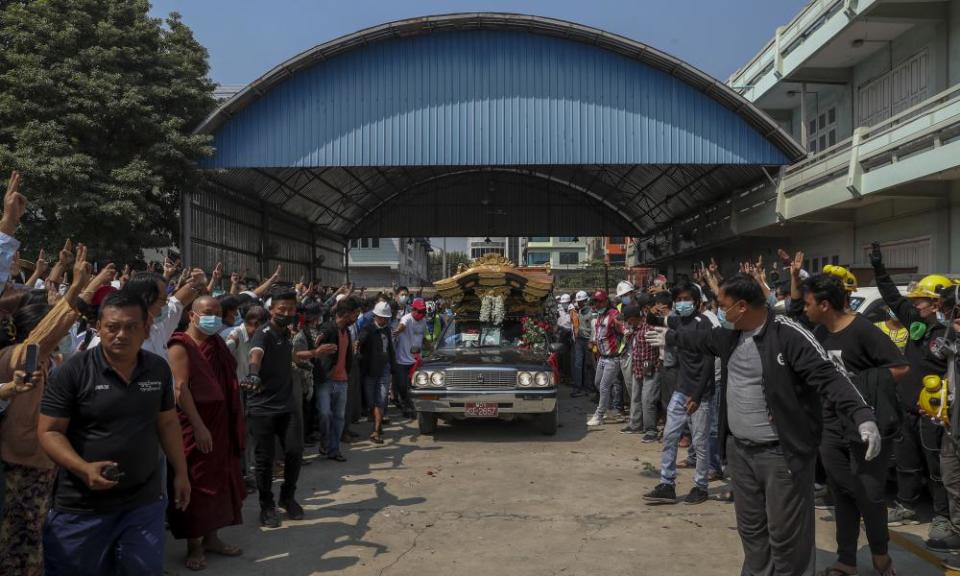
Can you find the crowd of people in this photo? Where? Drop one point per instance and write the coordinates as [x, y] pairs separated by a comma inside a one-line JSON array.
[[778, 386], [138, 400]]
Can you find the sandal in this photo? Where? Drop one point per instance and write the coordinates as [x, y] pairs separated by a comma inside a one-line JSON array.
[[376, 438], [196, 564], [223, 549], [888, 571]]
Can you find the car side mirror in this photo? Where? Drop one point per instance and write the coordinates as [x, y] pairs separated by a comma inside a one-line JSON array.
[[557, 348]]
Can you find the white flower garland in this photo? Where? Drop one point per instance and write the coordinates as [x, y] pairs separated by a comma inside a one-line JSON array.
[[499, 311], [485, 308]]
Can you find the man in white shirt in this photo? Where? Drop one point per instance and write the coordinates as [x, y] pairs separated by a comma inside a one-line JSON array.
[[409, 335]]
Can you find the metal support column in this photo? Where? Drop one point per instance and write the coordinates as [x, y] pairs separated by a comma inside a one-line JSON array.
[[186, 229], [803, 117]]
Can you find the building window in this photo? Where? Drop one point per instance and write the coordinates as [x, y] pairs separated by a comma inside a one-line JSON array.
[[835, 260], [355, 243], [567, 239], [365, 243], [569, 258], [538, 238], [482, 250], [537, 258], [374, 242], [822, 131], [618, 239], [618, 259]]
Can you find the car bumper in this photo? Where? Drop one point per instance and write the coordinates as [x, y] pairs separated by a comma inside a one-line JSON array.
[[508, 401]]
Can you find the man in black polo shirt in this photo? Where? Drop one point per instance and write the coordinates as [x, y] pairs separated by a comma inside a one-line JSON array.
[[104, 416], [270, 407]]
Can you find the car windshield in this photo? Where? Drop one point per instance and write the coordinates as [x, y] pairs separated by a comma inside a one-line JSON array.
[[466, 334], [856, 302]]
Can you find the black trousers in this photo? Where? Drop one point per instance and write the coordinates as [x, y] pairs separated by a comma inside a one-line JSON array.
[[917, 451], [401, 386], [266, 430], [858, 492]]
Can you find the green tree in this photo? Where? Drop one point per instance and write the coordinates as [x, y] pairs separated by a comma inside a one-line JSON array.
[[97, 104], [453, 260]]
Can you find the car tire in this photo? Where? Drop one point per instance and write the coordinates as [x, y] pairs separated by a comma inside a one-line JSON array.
[[427, 421], [549, 422]]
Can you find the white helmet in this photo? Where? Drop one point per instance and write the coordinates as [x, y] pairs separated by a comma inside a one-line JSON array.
[[431, 307], [565, 299], [383, 310], [624, 287], [582, 296]]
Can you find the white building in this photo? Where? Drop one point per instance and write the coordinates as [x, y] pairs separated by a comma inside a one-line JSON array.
[[510, 247], [872, 89], [562, 252], [383, 262]]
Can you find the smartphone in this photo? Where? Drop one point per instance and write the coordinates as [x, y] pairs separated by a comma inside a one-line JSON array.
[[112, 473], [31, 364]]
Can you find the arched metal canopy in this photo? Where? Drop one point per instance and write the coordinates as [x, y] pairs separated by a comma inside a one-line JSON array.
[[489, 124]]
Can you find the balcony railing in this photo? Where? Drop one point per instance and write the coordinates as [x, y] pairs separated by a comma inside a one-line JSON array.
[[924, 126]]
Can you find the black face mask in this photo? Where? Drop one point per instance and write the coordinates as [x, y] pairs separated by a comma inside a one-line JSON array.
[[283, 321]]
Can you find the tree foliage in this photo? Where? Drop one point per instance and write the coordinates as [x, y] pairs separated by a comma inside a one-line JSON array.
[[453, 260], [97, 104]]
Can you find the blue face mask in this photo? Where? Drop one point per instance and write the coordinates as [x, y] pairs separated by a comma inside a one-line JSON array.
[[237, 321], [684, 308], [626, 300], [210, 325]]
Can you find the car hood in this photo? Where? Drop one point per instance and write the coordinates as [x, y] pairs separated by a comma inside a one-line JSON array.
[[486, 357]]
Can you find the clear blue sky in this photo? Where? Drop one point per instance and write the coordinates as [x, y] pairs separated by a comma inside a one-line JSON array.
[[246, 38]]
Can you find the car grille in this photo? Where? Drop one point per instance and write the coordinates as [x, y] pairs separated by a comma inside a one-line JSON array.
[[481, 378]]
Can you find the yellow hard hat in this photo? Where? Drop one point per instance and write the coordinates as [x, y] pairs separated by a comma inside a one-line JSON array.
[[846, 277], [928, 286]]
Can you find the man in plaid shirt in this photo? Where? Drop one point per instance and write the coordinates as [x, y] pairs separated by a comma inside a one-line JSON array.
[[646, 372]]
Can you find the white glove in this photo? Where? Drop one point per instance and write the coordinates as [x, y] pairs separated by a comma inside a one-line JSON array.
[[870, 435], [656, 337]]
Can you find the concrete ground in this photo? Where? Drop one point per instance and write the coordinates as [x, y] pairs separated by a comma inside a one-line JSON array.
[[497, 497]]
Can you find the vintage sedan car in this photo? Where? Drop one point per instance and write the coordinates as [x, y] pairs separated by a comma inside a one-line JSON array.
[[482, 370]]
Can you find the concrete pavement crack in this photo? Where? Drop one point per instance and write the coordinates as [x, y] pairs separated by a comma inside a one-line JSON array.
[[405, 552]]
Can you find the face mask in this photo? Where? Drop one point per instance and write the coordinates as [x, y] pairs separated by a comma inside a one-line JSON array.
[[283, 321], [892, 314], [626, 300], [162, 315], [722, 316], [237, 321], [941, 318], [418, 316], [402, 299], [210, 325], [684, 308]]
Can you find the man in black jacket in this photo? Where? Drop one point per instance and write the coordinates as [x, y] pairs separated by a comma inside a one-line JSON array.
[[774, 374], [376, 361], [690, 404], [918, 448]]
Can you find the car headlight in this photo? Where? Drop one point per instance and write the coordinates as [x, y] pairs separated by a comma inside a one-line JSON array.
[[525, 379], [543, 379], [436, 379], [421, 379]]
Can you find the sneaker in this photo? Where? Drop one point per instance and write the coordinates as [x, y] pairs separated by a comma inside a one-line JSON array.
[[824, 502], [594, 421], [294, 510], [948, 545], [715, 476], [951, 563], [940, 529], [630, 430], [649, 437], [269, 518], [900, 515], [614, 418], [337, 457], [662, 494], [697, 495]]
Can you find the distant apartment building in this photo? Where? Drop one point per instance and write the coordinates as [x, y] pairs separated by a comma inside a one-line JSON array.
[[871, 88], [381, 262], [562, 252], [615, 250], [510, 247]]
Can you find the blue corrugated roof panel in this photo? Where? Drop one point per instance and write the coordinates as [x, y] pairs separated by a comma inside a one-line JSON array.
[[485, 97]]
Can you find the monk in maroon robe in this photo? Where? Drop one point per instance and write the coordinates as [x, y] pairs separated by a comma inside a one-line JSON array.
[[211, 416]]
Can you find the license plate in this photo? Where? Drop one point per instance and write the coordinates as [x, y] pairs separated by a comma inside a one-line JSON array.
[[481, 410]]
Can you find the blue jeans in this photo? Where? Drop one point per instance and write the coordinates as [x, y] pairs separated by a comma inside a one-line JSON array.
[[582, 377], [122, 543], [677, 418], [377, 390], [608, 371], [332, 404], [715, 462]]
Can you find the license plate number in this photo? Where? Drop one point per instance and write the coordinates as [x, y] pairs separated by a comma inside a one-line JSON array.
[[481, 410]]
